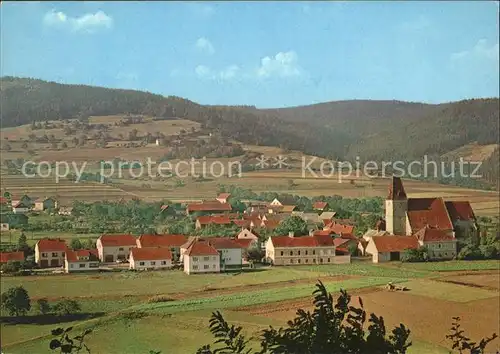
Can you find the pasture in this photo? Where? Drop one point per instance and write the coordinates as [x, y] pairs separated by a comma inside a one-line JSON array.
[[126, 321]]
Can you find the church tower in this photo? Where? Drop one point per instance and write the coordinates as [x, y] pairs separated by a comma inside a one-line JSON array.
[[396, 206]]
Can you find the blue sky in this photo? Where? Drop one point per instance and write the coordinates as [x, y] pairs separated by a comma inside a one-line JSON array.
[[268, 54]]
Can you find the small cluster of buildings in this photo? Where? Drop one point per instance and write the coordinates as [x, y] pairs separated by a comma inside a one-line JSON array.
[[411, 223]]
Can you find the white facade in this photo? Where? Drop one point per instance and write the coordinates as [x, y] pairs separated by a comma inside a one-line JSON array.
[[441, 249], [20, 210], [149, 264], [231, 256], [395, 216], [4, 226], [81, 266], [112, 253], [201, 264]]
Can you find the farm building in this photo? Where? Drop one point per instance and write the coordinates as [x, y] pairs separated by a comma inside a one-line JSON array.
[[223, 198], [203, 221], [231, 252], [201, 257], [50, 252], [390, 248], [81, 261], [6, 257], [115, 247], [21, 207], [320, 206], [291, 250], [172, 242], [208, 207], [150, 258]]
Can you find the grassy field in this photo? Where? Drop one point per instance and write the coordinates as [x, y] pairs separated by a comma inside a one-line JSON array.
[[131, 324]]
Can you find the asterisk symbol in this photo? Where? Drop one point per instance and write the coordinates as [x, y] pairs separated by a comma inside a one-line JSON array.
[[262, 162], [281, 161]]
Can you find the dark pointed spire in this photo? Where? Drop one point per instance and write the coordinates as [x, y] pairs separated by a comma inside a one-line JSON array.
[[396, 189]]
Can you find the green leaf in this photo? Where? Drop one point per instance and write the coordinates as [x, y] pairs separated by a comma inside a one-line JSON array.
[[54, 344]]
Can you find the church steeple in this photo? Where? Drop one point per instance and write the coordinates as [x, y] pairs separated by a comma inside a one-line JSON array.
[[396, 190]]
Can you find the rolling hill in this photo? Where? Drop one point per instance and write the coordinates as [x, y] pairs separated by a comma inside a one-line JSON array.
[[372, 130]]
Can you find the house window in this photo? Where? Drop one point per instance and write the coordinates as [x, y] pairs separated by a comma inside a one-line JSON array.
[[446, 254], [195, 267], [54, 254], [307, 261], [306, 253], [298, 261], [298, 253], [291, 253], [44, 255], [163, 262], [72, 266], [321, 260], [141, 263], [314, 252], [314, 260], [153, 263], [206, 258], [439, 245], [82, 265], [214, 266], [328, 260], [291, 261], [206, 266], [195, 259], [213, 258], [281, 252], [120, 249]]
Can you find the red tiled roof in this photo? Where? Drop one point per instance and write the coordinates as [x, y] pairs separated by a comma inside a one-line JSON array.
[[396, 189], [3, 200], [304, 241], [224, 196], [460, 210], [51, 244], [73, 256], [348, 236], [320, 205], [244, 242], [339, 241], [151, 254], [395, 243], [428, 211], [11, 256], [270, 224], [322, 233], [164, 207], [222, 242], [162, 240], [428, 234], [242, 223], [339, 228], [109, 240], [214, 219], [201, 248], [209, 206]]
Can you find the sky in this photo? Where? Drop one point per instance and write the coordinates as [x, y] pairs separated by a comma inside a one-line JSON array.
[[267, 54]]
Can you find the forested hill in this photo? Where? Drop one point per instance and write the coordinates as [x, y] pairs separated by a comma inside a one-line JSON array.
[[26, 100], [375, 130]]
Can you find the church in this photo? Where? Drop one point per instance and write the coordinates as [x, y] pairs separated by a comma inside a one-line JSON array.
[[414, 222]]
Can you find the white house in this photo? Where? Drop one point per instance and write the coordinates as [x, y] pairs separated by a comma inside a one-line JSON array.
[[390, 248], [231, 252], [115, 247], [200, 257], [150, 258], [440, 244], [81, 261]]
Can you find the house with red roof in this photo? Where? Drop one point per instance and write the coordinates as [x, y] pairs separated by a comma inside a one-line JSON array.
[[231, 252], [210, 207], [6, 257], [201, 257], [439, 243], [114, 247], [223, 198], [81, 261], [390, 248], [463, 219], [150, 258], [170, 241], [206, 220], [248, 234], [50, 252], [292, 250], [320, 206]]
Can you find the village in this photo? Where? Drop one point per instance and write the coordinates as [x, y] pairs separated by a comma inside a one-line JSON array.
[[409, 224]]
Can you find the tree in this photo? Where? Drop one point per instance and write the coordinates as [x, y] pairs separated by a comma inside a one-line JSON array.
[[463, 344], [76, 244], [43, 306], [415, 255], [65, 344], [22, 242], [67, 307], [16, 301], [331, 328], [293, 224]]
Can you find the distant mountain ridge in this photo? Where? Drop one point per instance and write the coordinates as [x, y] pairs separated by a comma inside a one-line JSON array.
[[372, 130]]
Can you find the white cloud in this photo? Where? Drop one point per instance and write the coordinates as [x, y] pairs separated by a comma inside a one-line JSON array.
[[283, 64], [86, 23], [480, 51], [227, 74], [203, 44]]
